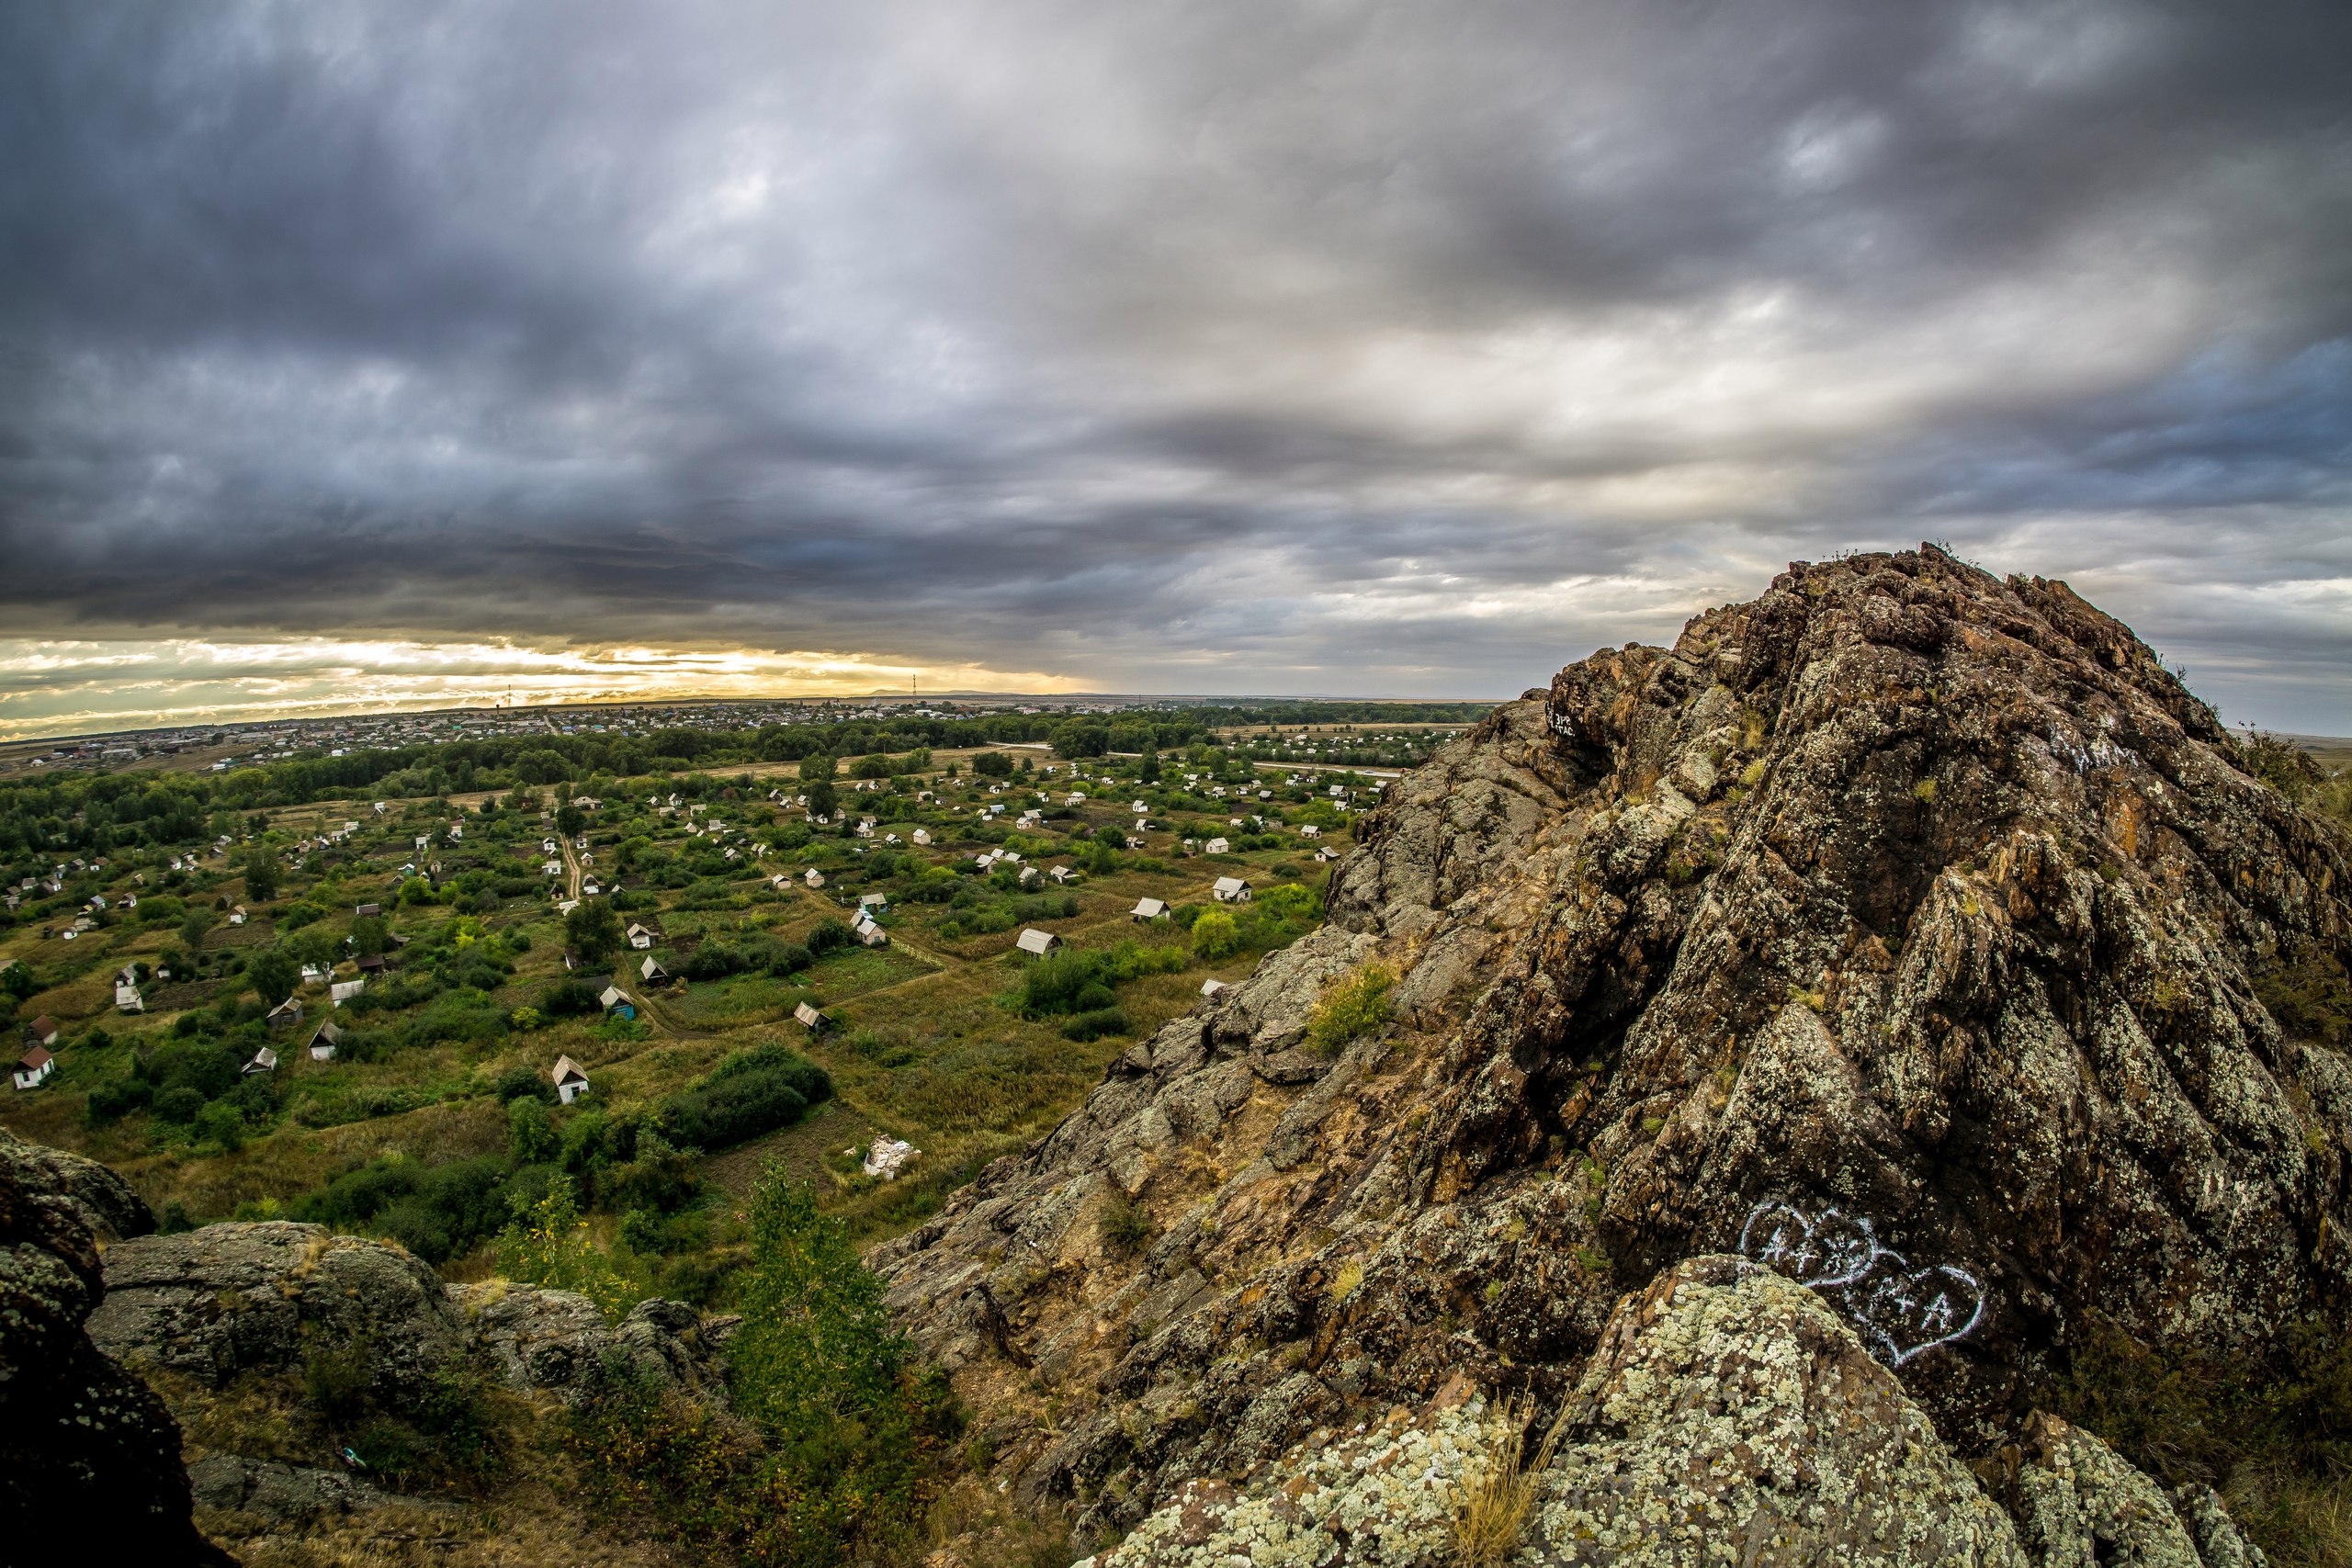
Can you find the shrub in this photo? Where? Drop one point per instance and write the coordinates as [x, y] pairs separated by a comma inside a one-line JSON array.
[[1215, 936], [569, 999], [550, 1246], [1353, 1008], [1096, 1024], [727, 1112]]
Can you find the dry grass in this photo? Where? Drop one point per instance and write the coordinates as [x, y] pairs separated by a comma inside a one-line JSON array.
[[1492, 1498]]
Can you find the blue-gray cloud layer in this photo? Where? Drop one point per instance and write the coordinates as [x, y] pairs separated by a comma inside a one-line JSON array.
[[1188, 345]]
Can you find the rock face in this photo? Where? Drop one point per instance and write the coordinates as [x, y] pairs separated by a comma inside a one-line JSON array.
[[1904, 930], [81, 1440], [553, 1340], [224, 1299]]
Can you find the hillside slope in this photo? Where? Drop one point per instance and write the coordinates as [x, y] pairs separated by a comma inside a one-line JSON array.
[[1907, 931]]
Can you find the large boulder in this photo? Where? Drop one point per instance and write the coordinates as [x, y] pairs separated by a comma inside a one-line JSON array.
[[540, 1339], [88, 1454], [226, 1299], [1910, 931], [1729, 1415]]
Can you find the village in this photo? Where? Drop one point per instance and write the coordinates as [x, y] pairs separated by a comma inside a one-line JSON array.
[[949, 947]]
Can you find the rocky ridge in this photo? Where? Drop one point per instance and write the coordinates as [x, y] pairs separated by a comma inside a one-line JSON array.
[[1903, 933]]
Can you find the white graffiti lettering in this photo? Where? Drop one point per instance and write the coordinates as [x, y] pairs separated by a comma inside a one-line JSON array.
[[1903, 1312]]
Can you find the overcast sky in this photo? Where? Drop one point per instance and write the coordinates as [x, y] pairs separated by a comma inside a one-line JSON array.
[[366, 351]]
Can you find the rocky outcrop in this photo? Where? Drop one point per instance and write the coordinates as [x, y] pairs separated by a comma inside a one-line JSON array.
[[81, 1440], [1904, 930], [553, 1340], [1728, 1415], [226, 1299]]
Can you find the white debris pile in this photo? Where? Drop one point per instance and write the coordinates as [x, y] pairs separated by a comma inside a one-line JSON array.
[[887, 1154]]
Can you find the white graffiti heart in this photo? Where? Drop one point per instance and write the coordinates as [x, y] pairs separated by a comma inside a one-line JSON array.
[[1830, 1250], [1902, 1311]]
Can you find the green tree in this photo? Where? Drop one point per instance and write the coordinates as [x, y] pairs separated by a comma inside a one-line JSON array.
[[530, 1137], [272, 974], [261, 874], [817, 767], [570, 819], [824, 800], [1215, 936], [816, 1364], [993, 765], [593, 931], [192, 929]]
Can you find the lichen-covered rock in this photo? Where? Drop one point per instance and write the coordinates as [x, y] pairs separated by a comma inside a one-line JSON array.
[[1728, 1417], [553, 1340], [2081, 1505], [88, 1454], [267, 1296], [1905, 929]]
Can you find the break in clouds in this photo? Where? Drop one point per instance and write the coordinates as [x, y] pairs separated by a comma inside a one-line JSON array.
[[1175, 347]]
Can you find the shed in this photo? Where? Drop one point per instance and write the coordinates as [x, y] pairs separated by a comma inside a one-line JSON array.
[[877, 902], [1216, 847], [815, 1022], [41, 1031], [639, 937], [1037, 943], [286, 1014], [343, 991], [264, 1061], [127, 997], [813, 877], [323, 1040], [1060, 874], [33, 1066], [365, 910], [615, 1000], [1230, 890], [570, 1079], [1149, 910], [652, 974]]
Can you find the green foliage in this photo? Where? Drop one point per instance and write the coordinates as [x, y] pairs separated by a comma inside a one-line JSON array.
[[1074, 980], [261, 874], [570, 999], [752, 1092], [550, 1246], [1355, 1007], [992, 765], [436, 1211], [530, 1135], [2311, 998], [272, 974], [593, 931], [1126, 1229], [1217, 936], [2283, 765]]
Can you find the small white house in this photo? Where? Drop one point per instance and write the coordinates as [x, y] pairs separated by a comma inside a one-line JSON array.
[[237, 916], [1230, 890], [1216, 847], [873, 936], [34, 1067], [264, 1061], [877, 902], [41, 1031], [639, 937], [1309, 830], [570, 1081], [1060, 874], [813, 877], [324, 1040], [1037, 943], [343, 991], [1149, 910], [127, 997], [651, 972]]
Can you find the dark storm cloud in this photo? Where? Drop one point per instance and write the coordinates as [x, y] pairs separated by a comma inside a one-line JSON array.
[[1174, 346]]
